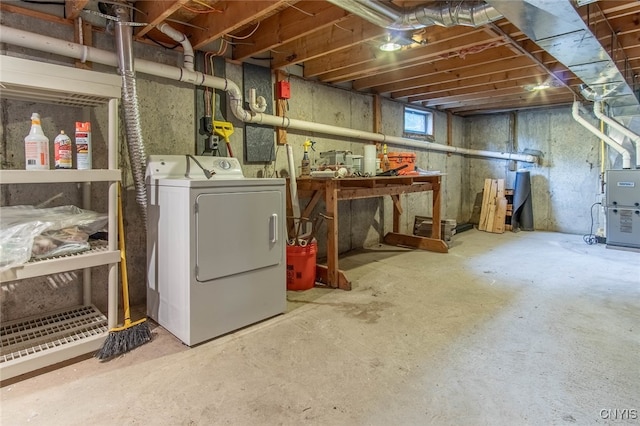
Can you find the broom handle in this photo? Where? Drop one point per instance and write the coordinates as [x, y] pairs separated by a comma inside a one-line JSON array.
[[123, 260]]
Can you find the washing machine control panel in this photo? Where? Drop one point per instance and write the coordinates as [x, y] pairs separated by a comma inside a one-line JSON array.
[[193, 167], [224, 164]]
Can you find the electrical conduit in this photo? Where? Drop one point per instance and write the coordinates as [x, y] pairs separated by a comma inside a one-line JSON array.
[[626, 157], [77, 51], [597, 110]]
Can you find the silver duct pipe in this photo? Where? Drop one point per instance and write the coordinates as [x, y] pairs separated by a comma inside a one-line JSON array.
[[635, 138], [470, 15], [557, 27], [626, 156], [77, 51], [390, 17], [135, 143]]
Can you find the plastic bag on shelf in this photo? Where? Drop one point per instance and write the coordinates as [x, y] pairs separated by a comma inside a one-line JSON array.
[[27, 231]]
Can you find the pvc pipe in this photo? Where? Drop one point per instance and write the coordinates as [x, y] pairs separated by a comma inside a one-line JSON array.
[[626, 157], [258, 104], [293, 186], [176, 35], [597, 110], [77, 51]]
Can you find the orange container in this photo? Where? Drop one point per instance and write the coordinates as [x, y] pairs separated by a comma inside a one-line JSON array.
[[301, 266], [398, 159]]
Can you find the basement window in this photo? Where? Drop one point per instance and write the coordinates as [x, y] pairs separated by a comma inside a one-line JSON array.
[[418, 123]]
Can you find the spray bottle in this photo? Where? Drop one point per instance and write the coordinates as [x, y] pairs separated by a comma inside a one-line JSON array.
[[306, 163], [385, 158], [36, 146], [62, 151]]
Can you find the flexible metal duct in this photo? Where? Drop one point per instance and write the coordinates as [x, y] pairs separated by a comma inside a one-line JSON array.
[[135, 143], [73, 50], [387, 15]]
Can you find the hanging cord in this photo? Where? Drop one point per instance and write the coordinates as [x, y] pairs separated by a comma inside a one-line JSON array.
[[207, 173], [590, 238]]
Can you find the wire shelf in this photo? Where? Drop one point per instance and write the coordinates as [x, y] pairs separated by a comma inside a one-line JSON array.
[[31, 336]]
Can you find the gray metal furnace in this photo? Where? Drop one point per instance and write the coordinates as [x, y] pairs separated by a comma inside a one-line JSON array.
[[623, 208]]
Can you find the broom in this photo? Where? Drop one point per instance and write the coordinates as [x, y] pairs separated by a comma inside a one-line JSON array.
[[131, 334]]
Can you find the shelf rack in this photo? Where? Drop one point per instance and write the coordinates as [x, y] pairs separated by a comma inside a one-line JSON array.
[[32, 343]]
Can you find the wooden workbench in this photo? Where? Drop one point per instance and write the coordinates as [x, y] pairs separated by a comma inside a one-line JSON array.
[[333, 190]]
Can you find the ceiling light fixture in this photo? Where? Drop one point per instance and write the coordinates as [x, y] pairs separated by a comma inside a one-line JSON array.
[[537, 87], [390, 46], [397, 40]]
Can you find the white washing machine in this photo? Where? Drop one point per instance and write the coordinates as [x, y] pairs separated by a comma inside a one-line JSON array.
[[215, 246]]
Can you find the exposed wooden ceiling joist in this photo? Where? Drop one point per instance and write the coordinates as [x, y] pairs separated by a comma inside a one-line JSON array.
[[460, 69]]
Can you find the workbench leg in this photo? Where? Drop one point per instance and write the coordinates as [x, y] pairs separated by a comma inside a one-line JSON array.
[[397, 213], [331, 204], [435, 212]]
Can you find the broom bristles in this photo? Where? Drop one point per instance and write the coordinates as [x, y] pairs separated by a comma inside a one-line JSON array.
[[122, 341]]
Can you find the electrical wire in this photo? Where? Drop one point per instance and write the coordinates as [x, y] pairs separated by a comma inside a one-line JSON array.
[[161, 44], [301, 11], [246, 36], [200, 11], [590, 238]]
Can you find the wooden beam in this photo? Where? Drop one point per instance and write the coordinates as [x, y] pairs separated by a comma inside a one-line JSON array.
[[6, 7], [457, 87], [235, 15], [350, 32], [369, 52], [73, 8], [377, 114], [155, 12], [306, 18], [83, 34], [407, 88], [428, 67], [322, 277], [414, 241], [387, 61], [281, 133]]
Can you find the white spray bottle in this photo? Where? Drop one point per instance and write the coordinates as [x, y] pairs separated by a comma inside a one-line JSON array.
[[36, 146]]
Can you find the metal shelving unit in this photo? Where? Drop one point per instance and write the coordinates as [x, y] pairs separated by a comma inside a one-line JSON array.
[[36, 342]]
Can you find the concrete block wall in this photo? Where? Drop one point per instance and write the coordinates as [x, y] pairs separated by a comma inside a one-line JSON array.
[[566, 182]]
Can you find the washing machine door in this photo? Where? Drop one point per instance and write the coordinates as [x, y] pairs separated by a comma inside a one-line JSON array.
[[238, 232]]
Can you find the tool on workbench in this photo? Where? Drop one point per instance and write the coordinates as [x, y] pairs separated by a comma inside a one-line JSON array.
[[392, 172]]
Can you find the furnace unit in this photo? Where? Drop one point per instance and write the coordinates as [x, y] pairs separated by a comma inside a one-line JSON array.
[[623, 208]]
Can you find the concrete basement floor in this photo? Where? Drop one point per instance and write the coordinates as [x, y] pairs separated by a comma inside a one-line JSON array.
[[520, 328]]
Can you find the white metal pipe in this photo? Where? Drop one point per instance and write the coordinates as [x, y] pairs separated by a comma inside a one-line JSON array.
[[293, 187], [73, 50], [187, 49], [635, 138], [626, 157]]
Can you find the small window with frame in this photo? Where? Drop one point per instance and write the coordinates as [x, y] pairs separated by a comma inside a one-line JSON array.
[[418, 123]]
